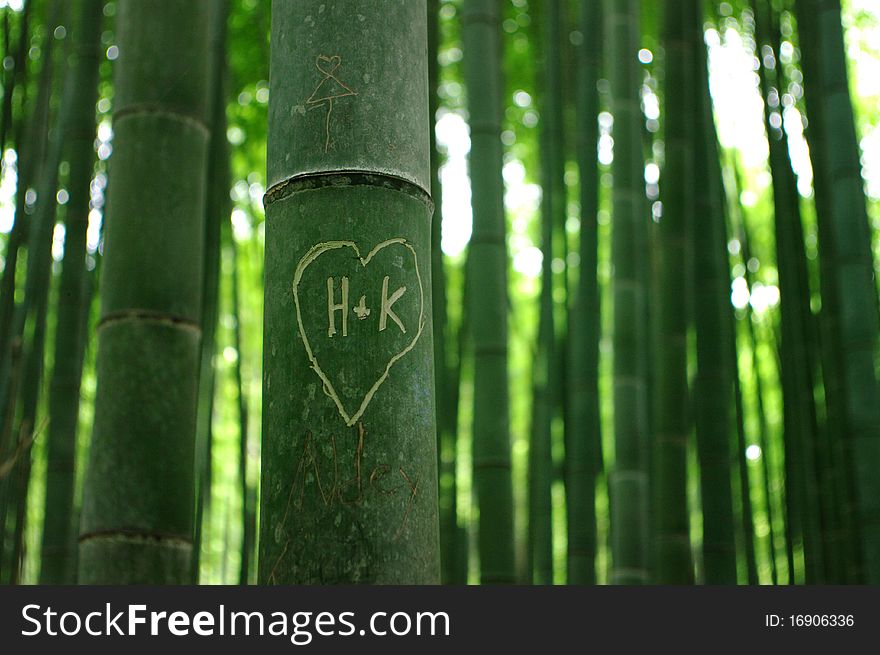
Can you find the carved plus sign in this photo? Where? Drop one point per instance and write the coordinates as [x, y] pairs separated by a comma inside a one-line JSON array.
[[361, 310]]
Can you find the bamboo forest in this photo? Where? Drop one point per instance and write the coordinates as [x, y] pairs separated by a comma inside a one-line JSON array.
[[533, 292]]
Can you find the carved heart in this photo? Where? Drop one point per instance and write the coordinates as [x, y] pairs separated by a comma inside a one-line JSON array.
[[314, 253], [330, 64]]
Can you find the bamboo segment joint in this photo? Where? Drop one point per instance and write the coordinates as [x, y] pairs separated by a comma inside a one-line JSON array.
[[343, 178], [145, 316], [142, 110]]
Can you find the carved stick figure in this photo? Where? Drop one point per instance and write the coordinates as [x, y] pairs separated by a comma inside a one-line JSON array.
[[329, 89]]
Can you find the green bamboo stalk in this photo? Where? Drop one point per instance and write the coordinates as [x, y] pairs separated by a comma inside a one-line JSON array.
[[203, 458], [819, 560], [552, 104], [217, 209], [739, 229], [15, 76], [768, 467], [795, 350], [856, 291], [713, 386], [29, 320], [31, 148], [58, 551], [821, 441], [8, 77], [771, 469], [554, 154], [792, 486], [540, 471], [745, 494], [34, 128], [763, 444], [546, 363], [447, 424], [459, 538], [9, 453], [447, 373], [840, 468], [247, 492], [628, 481], [137, 516], [33, 132], [349, 440], [745, 533], [849, 303], [438, 277], [582, 458], [487, 271], [671, 399]]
